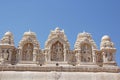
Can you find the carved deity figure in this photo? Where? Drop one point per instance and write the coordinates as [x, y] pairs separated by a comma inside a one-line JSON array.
[[86, 53], [57, 52], [28, 52], [109, 57], [6, 55]]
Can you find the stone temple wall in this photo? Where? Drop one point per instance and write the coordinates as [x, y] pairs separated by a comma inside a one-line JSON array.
[[26, 75]]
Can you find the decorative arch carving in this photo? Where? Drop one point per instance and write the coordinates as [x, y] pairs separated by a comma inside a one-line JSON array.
[[28, 48], [57, 46], [52, 41], [57, 49], [26, 41]]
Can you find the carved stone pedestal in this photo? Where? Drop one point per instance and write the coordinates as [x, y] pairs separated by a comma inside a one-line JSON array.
[[112, 63]]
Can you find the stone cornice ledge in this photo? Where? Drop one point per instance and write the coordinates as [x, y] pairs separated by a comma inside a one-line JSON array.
[[60, 68]]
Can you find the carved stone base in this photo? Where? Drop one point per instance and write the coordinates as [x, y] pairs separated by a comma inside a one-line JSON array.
[[113, 64], [25, 75], [37, 68], [6, 63]]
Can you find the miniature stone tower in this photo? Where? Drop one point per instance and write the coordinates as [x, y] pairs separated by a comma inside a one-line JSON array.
[[7, 47], [108, 51], [57, 47], [85, 48], [28, 48]]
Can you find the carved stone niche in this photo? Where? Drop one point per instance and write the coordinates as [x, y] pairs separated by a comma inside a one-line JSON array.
[[85, 48], [28, 49], [86, 53], [14, 56], [56, 47], [27, 52], [6, 54], [57, 51]]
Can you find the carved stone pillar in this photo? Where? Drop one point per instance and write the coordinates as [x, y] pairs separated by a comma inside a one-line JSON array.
[[104, 60], [46, 56], [65, 52], [79, 55], [94, 57], [19, 54], [0, 53], [49, 54], [34, 54], [113, 57], [10, 54], [1, 58], [5, 55]]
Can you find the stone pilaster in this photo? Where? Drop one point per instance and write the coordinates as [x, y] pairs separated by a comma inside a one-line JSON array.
[[34, 54], [94, 57], [65, 52], [10, 54], [49, 55]]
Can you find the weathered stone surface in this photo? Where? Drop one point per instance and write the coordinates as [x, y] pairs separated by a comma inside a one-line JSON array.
[[57, 49], [27, 75], [56, 61], [60, 68]]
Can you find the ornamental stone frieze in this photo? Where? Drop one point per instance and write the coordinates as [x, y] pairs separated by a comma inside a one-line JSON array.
[[57, 54]]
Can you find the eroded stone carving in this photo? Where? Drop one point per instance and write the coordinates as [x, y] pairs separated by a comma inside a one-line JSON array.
[[27, 52], [85, 48], [57, 46], [28, 47], [108, 51], [57, 53], [6, 47]]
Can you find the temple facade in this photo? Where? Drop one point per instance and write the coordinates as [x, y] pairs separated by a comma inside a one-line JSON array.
[[57, 61], [57, 50]]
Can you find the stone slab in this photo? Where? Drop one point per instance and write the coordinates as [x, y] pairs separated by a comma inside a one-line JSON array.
[[29, 75]]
